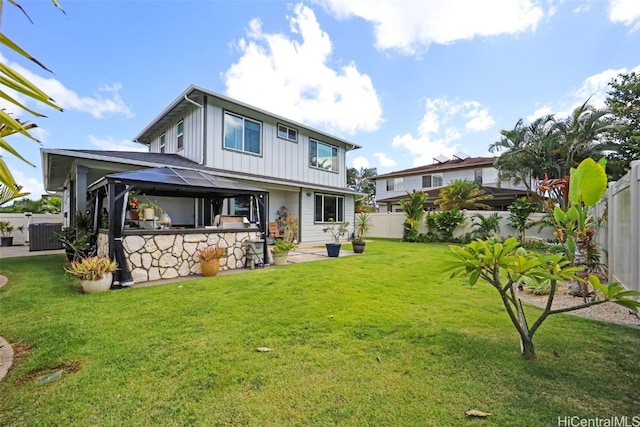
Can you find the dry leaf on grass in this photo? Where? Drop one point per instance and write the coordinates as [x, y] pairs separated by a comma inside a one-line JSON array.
[[476, 413]]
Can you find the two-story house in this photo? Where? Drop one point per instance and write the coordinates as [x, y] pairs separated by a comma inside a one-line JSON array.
[[301, 168], [392, 187]]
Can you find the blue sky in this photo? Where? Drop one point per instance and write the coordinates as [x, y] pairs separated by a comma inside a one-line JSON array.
[[408, 80]]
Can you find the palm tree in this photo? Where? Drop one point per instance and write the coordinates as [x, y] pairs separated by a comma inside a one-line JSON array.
[[414, 210], [462, 194], [583, 137], [485, 226], [13, 80]]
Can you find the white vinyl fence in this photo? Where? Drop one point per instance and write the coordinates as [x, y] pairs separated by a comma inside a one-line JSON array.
[[23, 219], [389, 225], [620, 235]]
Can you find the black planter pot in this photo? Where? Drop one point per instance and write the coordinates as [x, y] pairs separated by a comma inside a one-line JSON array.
[[333, 249], [358, 248], [6, 241]]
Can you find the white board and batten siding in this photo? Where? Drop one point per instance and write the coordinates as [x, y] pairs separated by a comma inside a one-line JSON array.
[[279, 158], [312, 231], [192, 138]]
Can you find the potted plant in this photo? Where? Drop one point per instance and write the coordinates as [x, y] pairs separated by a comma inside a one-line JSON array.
[[336, 230], [133, 206], [362, 227], [77, 239], [281, 250], [95, 273], [6, 228], [281, 247], [210, 260]]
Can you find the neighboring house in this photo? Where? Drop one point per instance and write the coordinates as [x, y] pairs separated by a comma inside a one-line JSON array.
[[392, 187], [301, 168]]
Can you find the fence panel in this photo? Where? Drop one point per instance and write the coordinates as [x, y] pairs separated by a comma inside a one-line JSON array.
[[24, 220], [623, 229], [389, 225]]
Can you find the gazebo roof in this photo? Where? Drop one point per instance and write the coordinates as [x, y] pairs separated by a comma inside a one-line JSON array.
[[180, 182]]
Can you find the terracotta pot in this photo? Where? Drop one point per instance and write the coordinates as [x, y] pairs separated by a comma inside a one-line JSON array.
[[280, 258], [135, 215], [210, 267], [95, 286]]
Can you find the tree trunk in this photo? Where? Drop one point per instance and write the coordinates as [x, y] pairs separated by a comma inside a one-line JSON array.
[[527, 348], [580, 259]]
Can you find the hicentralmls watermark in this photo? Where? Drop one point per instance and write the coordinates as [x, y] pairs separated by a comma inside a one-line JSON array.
[[614, 421]]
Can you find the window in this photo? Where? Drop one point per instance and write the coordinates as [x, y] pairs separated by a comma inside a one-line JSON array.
[[477, 176], [395, 184], [163, 140], [429, 181], [329, 208], [180, 134], [285, 132], [323, 156], [242, 134]]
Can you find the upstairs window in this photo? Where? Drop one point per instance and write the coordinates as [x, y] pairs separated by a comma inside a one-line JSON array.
[[429, 181], [242, 134], [323, 156], [180, 134], [477, 176], [163, 141], [395, 184], [285, 132], [329, 208]]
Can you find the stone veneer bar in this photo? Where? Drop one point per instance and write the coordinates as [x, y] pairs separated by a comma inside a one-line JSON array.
[[167, 254]]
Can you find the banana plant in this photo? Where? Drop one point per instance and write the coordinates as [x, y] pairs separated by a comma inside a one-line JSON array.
[[505, 264], [587, 185]]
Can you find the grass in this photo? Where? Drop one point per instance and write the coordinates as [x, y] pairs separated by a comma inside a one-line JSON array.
[[383, 338]]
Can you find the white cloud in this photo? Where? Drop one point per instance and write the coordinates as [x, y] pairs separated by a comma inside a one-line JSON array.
[[540, 112], [384, 160], [625, 11], [410, 26], [110, 144], [360, 162], [443, 123], [105, 101], [594, 88], [293, 78]]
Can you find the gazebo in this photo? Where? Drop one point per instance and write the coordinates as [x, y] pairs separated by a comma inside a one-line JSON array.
[[204, 196]]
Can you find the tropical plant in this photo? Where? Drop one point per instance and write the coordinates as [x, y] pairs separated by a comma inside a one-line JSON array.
[[413, 208], [624, 103], [336, 230], [362, 181], [587, 186], [209, 253], [445, 222], [504, 264], [281, 246], [7, 228], [14, 82], [77, 239], [551, 147], [462, 194], [519, 212], [91, 268], [484, 227], [10, 193], [362, 227]]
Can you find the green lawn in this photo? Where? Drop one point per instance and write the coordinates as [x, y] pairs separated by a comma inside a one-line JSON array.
[[379, 339]]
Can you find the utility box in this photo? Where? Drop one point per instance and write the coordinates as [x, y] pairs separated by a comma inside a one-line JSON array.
[[41, 236]]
